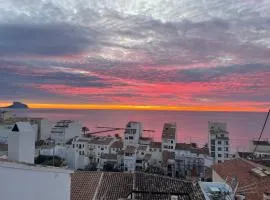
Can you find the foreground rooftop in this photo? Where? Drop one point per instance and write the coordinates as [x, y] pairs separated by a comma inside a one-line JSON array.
[[119, 185], [251, 183]]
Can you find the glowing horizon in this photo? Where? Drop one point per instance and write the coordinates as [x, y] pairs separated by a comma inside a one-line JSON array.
[[141, 107], [142, 55]]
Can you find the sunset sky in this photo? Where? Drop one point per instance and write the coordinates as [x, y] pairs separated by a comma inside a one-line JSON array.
[[151, 54]]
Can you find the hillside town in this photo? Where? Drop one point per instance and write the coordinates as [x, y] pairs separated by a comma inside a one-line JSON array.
[[107, 165]]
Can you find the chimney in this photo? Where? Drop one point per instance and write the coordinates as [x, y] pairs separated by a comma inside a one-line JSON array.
[[21, 143]]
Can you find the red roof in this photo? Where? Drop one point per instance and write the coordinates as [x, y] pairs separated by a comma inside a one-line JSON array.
[[241, 169]]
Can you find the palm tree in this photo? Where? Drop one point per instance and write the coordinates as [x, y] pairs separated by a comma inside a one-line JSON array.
[[85, 130]]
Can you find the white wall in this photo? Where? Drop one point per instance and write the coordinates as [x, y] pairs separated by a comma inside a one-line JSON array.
[[45, 129], [30, 183], [216, 177], [4, 132]]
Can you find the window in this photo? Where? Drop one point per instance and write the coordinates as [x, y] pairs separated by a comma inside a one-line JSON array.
[[213, 154], [226, 155], [226, 149], [227, 142], [219, 149], [219, 161], [219, 155], [82, 152], [172, 142], [102, 149], [142, 153], [219, 142], [213, 148], [131, 137], [213, 142], [126, 138], [73, 146], [80, 146], [83, 145], [222, 135]]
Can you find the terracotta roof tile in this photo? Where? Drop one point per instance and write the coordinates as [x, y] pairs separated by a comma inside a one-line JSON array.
[[142, 148], [156, 183], [109, 156], [241, 169], [115, 186], [84, 185], [182, 146], [117, 144], [101, 141]]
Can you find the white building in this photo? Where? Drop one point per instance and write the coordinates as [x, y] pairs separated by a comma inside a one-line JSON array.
[[169, 137], [21, 143], [21, 181], [156, 153], [41, 127], [133, 133], [261, 148], [6, 115], [130, 158], [218, 141], [64, 130]]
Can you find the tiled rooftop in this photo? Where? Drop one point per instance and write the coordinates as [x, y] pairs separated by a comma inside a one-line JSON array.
[[84, 185], [142, 148], [156, 183], [109, 156], [117, 145], [115, 185], [242, 170], [101, 141], [182, 146], [156, 145]]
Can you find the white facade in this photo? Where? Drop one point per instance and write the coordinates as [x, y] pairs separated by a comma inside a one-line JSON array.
[[133, 133], [21, 143], [5, 129], [6, 115], [32, 183], [218, 141], [169, 137], [42, 128], [130, 162], [65, 130], [261, 146]]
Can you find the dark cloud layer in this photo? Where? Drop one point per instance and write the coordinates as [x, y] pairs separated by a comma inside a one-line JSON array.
[[108, 51], [51, 39]]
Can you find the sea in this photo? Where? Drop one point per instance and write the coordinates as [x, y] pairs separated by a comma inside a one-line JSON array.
[[191, 126]]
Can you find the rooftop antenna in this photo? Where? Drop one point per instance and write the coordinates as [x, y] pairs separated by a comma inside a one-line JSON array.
[[264, 125]]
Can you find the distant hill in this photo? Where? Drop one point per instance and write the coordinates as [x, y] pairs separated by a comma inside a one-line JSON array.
[[18, 105]]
